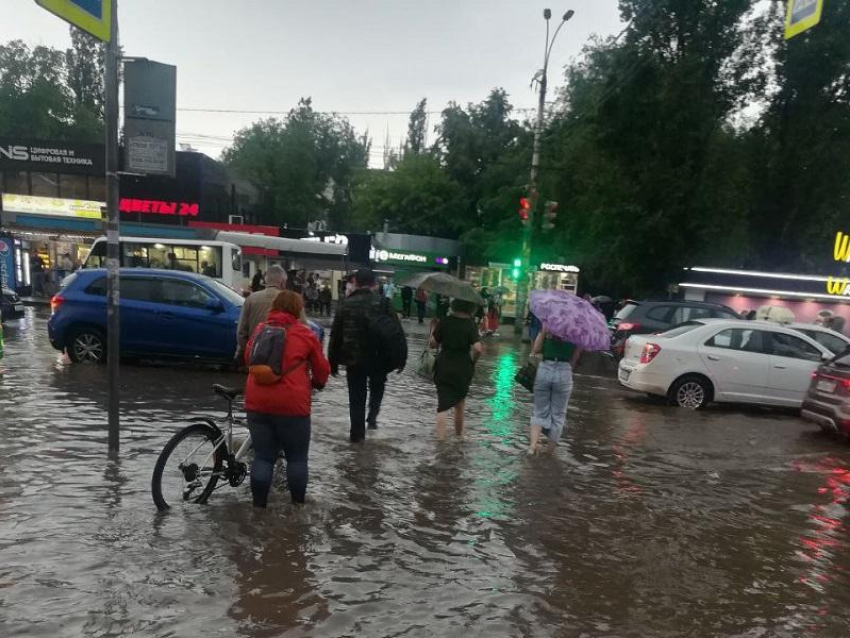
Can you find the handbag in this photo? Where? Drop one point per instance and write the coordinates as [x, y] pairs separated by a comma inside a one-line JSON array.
[[525, 376], [425, 365]]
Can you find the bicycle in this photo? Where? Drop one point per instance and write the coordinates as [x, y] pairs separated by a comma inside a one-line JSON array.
[[208, 458]]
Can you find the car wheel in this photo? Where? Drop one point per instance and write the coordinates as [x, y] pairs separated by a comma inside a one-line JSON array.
[[86, 345], [691, 393]]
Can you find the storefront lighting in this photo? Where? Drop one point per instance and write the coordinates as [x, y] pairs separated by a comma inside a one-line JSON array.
[[756, 273], [763, 291], [159, 246]]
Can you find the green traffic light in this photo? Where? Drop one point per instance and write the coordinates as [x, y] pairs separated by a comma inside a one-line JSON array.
[[517, 263], [515, 273]]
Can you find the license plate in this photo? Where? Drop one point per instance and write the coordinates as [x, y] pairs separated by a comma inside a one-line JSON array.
[[624, 375], [826, 386], [19, 307]]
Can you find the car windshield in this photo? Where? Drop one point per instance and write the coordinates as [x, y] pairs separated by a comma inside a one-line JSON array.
[[624, 312], [228, 293], [682, 328]]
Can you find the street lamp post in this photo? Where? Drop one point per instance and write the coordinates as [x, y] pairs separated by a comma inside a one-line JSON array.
[[533, 195]]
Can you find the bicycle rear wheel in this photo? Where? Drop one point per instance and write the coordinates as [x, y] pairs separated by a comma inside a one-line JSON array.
[[188, 467]]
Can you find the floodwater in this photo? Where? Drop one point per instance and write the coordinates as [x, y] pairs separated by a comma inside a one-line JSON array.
[[650, 521]]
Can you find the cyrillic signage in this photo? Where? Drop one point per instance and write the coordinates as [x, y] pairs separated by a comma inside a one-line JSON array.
[[51, 157], [53, 206], [379, 255], [158, 207], [559, 268]]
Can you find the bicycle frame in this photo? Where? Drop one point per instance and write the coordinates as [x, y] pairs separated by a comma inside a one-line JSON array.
[[225, 438]]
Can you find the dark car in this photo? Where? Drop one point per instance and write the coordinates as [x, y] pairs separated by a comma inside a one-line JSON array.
[[648, 317], [165, 314], [11, 306], [827, 402]]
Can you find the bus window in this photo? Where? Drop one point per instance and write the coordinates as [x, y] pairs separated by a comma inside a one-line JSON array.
[[236, 260], [134, 255], [97, 256], [210, 258]]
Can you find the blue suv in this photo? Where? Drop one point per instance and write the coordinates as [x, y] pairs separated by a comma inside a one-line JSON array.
[[165, 314]]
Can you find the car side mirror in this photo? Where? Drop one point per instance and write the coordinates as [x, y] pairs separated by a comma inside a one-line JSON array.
[[825, 356], [215, 306]]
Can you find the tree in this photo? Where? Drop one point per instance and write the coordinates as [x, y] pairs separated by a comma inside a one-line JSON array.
[[304, 165], [416, 132], [84, 61]]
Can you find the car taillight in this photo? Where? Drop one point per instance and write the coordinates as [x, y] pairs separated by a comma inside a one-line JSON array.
[[55, 302], [628, 327], [650, 351]]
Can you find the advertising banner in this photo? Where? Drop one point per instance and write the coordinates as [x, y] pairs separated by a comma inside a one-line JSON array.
[[7, 263], [52, 157], [53, 206]]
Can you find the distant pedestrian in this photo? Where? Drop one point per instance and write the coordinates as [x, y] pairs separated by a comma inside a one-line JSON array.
[[325, 300], [390, 290], [553, 386], [311, 295], [366, 338], [406, 301], [258, 281], [491, 321], [421, 303], [279, 411], [37, 267], [460, 347], [257, 306]]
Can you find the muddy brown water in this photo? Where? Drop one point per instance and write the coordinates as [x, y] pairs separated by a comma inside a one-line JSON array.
[[649, 521]]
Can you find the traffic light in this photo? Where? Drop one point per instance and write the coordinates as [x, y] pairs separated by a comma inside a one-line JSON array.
[[524, 210], [550, 213], [515, 273]]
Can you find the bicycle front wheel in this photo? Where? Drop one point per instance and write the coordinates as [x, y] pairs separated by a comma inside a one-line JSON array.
[[188, 467]]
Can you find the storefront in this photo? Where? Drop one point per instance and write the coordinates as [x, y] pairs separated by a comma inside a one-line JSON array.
[[556, 277]]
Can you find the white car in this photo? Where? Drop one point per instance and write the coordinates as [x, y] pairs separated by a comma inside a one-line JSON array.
[[833, 341], [723, 360]]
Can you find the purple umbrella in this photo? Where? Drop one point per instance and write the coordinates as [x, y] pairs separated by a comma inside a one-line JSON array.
[[571, 318]]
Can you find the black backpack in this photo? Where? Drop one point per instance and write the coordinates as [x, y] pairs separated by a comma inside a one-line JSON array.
[[387, 339]]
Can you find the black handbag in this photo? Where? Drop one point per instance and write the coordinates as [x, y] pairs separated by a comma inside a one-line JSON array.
[[525, 376]]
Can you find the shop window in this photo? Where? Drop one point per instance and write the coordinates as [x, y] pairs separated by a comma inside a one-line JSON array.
[[97, 188], [73, 187], [16, 182], [45, 184]]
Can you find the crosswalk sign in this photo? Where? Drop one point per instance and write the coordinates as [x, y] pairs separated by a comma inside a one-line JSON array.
[[802, 15], [92, 16]]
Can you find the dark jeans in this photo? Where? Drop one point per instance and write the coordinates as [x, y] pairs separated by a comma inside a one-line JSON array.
[[420, 311], [270, 433], [406, 304], [359, 381]]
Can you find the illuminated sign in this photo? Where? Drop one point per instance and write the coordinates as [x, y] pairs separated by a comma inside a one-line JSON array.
[[157, 207], [381, 255], [339, 240], [31, 205], [558, 268], [840, 252]]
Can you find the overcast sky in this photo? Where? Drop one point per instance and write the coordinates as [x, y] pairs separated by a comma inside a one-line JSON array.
[[348, 55]]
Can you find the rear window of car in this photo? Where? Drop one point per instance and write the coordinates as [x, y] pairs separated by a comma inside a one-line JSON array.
[[828, 341], [659, 313], [97, 287], [625, 311]]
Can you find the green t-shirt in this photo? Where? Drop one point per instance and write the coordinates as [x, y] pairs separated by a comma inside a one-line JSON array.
[[557, 349]]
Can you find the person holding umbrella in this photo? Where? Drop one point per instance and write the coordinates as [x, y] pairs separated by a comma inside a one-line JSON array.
[[460, 343], [570, 326]]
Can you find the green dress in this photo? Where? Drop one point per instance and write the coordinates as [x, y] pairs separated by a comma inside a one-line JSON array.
[[454, 368]]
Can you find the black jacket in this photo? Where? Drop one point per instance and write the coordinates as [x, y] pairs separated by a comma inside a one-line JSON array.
[[350, 340]]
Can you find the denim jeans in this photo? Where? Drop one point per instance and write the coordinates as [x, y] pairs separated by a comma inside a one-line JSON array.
[[553, 386], [269, 434], [363, 383]]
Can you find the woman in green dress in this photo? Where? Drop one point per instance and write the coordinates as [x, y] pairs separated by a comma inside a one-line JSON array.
[[458, 337]]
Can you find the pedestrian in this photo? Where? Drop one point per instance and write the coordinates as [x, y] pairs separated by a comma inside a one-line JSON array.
[[311, 294], [491, 321], [390, 290], [257, 306], [534, 326], [421, 303], [279, 412], [37, 267], [325, 299], [460, 347], [553, 386], [406, 301], [258, 281], [366, 338]]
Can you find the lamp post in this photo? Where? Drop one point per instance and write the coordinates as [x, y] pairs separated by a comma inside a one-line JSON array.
[[533, 195]]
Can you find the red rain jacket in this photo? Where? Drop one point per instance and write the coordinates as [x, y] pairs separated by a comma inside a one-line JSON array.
[[292, 395]]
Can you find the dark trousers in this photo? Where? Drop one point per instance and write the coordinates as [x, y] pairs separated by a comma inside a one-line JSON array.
[[406, 304], [361, 380], [269, 434], [325, 308], [420, 311]]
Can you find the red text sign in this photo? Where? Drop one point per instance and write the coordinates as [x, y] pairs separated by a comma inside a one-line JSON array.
[[156, 207]]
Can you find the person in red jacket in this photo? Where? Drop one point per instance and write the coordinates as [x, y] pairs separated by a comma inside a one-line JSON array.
[[279, 414]]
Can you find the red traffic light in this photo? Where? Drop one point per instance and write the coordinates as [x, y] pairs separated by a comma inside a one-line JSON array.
[[524, 208]]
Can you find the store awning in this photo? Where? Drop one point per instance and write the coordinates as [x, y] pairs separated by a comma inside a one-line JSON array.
[[282, 244]]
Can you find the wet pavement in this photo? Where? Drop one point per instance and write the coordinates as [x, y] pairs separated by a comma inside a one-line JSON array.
[[650, 521]]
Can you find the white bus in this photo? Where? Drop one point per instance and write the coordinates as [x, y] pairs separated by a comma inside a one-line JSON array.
[[221, 260]]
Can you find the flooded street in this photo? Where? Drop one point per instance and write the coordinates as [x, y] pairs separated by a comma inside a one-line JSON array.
[[650, 521]]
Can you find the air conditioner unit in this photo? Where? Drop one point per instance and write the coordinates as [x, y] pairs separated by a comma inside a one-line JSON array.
[[237, 220]]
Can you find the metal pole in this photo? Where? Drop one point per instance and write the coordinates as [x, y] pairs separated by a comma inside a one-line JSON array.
[[528, 234], [113, 353]]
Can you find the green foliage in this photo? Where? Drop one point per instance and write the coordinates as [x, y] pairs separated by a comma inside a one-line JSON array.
[[49, 94], [304, 165]]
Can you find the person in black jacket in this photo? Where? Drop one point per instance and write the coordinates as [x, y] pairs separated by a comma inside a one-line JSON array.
[[352, 345], [406, 301]]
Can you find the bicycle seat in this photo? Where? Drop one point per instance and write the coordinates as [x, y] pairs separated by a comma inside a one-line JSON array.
[[226, 392]]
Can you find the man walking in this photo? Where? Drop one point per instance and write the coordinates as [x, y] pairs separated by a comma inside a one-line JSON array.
[[366, 338], [406, 301], [421, 303], [257, 306]]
